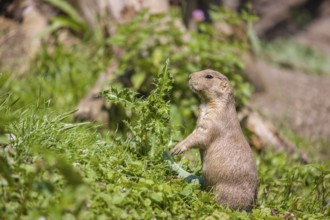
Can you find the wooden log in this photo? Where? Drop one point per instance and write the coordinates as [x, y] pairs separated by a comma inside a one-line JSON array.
[[265, 135]]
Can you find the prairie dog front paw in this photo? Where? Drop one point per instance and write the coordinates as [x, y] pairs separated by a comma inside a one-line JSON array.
[[179, 149]]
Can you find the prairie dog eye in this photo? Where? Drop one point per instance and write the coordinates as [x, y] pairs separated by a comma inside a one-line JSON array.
[[208, 77]]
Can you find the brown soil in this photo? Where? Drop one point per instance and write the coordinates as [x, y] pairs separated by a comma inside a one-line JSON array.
[[300, 101], [317, 34]]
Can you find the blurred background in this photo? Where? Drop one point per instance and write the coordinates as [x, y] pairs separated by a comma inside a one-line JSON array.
[[58, 56], [281, 48]]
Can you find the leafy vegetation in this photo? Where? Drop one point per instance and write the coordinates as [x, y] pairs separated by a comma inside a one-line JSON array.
[[61, 77], [53, 168], [148, 40], [150, 131], [320, 147], [61, 170], [145, 43]]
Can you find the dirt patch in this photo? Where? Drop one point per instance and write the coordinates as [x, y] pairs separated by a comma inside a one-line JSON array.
[[317, 35], [299, 100]]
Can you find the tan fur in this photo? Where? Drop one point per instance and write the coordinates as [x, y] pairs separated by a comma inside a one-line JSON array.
[[227, 160]]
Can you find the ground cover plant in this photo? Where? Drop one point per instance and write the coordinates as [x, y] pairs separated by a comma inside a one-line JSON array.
[[54, 168]]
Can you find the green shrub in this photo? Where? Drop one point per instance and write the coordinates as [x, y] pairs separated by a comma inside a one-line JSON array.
[[53, 169], [148, 40], [150, 131]]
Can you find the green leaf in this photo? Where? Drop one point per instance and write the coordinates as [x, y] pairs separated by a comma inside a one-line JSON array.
[[67, 8], [5, 169], [156, 196], [138, 79]]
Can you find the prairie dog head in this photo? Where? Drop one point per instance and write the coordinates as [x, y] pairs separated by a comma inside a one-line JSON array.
[[211, 85]]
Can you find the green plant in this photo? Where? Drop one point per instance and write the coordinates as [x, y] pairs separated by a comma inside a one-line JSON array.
[[316, 149], [289, 186], [147, 40], [71, 20], [76, 67], [57, 170], [150, 131], [53, 168]]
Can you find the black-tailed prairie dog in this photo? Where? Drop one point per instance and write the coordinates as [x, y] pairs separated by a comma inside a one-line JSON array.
[[227, 161]]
